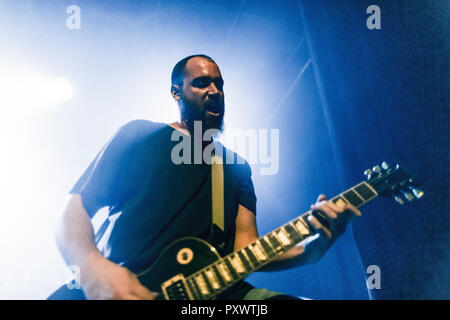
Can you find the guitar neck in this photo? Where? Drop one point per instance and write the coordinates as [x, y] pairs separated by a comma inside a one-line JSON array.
[[222, 274]]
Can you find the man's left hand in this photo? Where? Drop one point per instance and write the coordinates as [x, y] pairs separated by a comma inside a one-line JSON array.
[[336, 218]]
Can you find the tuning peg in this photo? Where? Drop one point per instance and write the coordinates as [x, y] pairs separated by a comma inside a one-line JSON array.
[[376, 169], [385, 165], [399, 200], [368, 173], [417, 192], [408, 195]]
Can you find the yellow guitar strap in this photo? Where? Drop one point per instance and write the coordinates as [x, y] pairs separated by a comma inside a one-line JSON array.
[[217, 191]]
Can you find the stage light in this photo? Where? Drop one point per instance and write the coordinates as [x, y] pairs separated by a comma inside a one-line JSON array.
[[32, 92]]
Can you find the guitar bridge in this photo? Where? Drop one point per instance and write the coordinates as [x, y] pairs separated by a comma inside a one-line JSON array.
[[176, 289]]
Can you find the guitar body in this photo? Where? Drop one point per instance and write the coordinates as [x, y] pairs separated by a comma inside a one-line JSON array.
[[183, 257]]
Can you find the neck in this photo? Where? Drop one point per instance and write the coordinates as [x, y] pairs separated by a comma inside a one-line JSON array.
[[180, 125], [226, 271]]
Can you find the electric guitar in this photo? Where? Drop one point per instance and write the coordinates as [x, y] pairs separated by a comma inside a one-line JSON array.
[[192, 269]]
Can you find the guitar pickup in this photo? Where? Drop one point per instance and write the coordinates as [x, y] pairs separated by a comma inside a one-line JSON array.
[[176, 289]]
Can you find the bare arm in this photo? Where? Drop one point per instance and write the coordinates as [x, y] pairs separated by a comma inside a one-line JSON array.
[[100, 278], [75, 235], [247, 232]]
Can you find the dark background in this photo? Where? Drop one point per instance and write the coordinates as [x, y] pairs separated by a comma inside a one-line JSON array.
[[380, 95]]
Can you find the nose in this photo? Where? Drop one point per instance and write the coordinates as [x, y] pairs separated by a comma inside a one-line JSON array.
[[213, 90]]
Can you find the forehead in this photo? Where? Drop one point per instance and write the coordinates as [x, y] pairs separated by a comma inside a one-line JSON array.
[[201, 67]]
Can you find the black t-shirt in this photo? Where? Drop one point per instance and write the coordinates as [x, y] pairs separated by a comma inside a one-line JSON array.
[[153, 200]]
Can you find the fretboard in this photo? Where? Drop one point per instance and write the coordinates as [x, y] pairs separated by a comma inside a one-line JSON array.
[[222, 274]]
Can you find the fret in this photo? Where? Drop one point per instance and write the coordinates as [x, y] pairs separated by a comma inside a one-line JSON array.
[[274, 242], [201, 284], [359, 196], [251, 264], [194, 289], [293, 234], [340, 200], [353, 198], [244, 260], [255, 262], [208, 284], [302, 227], [283, 237], [212, 279], [233, 272], [365, 191], [237, 263], [218, 275], [258, 252], [267, 248], [224, 271]]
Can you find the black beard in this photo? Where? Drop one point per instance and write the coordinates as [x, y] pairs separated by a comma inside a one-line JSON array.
[[190, 114]]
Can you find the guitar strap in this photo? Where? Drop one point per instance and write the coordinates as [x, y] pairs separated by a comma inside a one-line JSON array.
[[217, 191]]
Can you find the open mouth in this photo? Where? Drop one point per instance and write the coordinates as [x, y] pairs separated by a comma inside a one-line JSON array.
[[213, 109], [216, 114]]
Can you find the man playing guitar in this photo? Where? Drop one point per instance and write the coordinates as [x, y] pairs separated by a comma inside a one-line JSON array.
[[153, 202]]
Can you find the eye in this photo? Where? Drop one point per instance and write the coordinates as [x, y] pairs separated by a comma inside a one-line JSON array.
[[204, 82], [219, 84], [201, 82]]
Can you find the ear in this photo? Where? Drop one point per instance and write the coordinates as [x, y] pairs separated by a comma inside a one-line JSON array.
[[176, 92]]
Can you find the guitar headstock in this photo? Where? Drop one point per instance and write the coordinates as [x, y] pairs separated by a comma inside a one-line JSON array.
[[393, 181]]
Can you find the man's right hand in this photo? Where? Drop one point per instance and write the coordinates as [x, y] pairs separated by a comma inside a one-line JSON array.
[[100, 278], [105, 280]]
